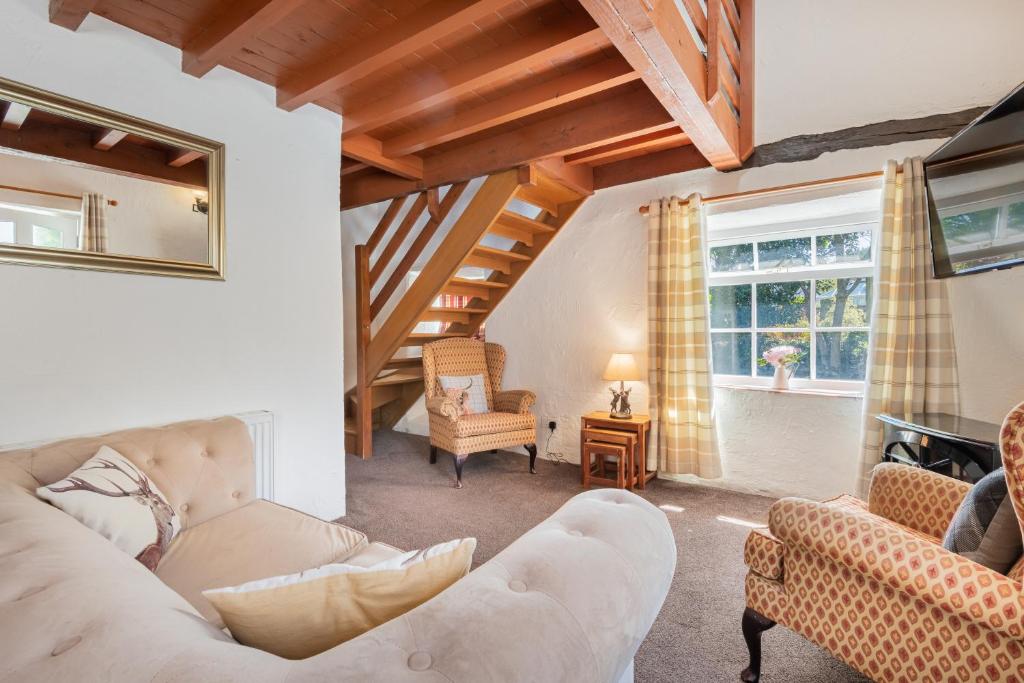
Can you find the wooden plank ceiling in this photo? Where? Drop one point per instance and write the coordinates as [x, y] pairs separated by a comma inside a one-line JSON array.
[[440, 91]]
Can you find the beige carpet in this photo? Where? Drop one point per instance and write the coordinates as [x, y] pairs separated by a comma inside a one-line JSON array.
[[399, 498]]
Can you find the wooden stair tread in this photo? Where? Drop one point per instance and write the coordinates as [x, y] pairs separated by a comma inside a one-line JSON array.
[[414, 362], [456, 309], [500, 253], [419, 338], [518, 220], [405, 377], [468, 282]]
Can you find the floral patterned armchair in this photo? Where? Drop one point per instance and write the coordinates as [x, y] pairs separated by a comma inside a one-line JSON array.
[[508, 421], [872, 584]]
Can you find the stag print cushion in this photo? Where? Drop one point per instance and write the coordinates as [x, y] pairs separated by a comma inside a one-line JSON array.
[[474, 400], [301, 615], [111, 496]]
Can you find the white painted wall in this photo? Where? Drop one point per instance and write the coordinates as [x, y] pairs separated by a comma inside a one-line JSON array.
[[151, 219], [92, 351]]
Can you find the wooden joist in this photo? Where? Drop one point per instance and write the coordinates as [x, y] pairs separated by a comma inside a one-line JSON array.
[[665, 162], [527, 53], [655, 41], [576, 85], [226, 33], [183, 156], [70, 13], [370, 151], [427, 24], [107, 138], [624, 149], [14, 116]]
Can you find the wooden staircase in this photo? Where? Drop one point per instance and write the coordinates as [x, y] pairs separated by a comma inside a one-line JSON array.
[[389, 378]]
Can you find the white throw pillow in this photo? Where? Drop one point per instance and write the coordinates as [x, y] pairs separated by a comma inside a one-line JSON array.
[[111, 496], [301, 615], [473, 385]]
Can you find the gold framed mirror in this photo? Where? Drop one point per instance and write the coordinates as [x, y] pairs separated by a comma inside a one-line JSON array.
[[86, 187]]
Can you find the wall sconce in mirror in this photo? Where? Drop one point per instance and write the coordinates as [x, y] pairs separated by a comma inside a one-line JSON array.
[[62, 164]]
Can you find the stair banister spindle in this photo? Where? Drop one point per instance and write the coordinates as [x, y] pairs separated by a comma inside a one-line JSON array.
[[395, 243]]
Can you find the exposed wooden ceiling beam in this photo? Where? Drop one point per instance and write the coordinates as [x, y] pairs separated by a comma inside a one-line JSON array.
[[348, 167], [658, 44], [369, 151], [107, 138], [227, 33], [670, 137], [677, 160], [576, 85], [182, 157], [427, 24], [75, 146], [509, 61], [70, 13], [15, 115], [554, 136]]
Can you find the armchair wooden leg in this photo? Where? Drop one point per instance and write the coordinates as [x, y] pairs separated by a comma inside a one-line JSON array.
[[531, 448], [754, 624], [459, 460], [433, 454]]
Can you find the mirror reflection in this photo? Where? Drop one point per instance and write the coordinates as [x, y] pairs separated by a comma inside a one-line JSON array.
[[72, 184]]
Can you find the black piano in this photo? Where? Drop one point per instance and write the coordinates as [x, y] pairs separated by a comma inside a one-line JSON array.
[[949, 444]]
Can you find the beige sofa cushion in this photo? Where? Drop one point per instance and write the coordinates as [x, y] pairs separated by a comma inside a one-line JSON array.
[[203, 467], [259, 540], [301, 615]]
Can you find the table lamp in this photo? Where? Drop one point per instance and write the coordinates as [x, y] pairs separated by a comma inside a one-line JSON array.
[[621, 367]]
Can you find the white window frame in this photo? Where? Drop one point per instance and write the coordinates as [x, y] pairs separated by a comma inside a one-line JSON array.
[[859, 222]]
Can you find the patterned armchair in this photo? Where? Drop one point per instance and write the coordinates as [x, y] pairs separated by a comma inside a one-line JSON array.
[[872, 584], [509, 422]]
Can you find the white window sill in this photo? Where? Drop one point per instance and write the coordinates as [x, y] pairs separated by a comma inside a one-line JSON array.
[[797, 391]]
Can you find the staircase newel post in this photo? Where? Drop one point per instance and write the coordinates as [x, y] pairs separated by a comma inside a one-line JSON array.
[[364, 405]]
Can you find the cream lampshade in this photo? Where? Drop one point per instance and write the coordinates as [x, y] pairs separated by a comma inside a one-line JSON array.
[[621, 367]]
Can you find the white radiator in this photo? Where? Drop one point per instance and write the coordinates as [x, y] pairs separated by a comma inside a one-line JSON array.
[[261, 429]]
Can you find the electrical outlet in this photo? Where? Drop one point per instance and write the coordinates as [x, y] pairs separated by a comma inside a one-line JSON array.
[[552, 425]]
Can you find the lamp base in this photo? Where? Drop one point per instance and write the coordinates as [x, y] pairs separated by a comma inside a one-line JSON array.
[[620, 416]]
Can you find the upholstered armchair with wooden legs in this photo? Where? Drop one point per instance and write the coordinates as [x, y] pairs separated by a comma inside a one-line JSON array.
[[508, 421], [872, 584]]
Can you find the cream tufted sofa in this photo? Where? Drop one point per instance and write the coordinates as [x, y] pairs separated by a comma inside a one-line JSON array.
[[75, 608]]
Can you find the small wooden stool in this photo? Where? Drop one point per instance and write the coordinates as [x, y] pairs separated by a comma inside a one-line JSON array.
[[604, 444]]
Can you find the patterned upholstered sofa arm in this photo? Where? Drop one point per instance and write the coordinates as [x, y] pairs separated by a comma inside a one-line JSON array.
[[443, 406], [901, 561], [516, 401], [915, 497]]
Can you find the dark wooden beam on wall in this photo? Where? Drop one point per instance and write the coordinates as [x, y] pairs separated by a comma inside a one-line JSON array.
[[807, 147], [427, 24], [70, 13], [226, 34]]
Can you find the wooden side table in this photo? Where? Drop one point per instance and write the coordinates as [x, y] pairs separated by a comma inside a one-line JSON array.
[[640, 426]]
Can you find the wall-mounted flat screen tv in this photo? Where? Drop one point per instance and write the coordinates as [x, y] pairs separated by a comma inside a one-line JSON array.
[[976, 193]]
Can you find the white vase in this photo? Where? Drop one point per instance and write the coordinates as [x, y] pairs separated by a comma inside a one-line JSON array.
[[781, 380]]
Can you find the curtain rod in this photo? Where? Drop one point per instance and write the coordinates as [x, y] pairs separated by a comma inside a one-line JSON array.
[[112, 202], [782, 188]]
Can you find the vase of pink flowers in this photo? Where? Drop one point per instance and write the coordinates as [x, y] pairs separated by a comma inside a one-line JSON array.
[[783, 359]]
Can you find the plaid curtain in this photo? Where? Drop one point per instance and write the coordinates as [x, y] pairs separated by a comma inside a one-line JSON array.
[[93, 230], [912, 359], [678, 341]]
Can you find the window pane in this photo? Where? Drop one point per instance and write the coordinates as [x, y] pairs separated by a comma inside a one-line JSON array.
[[801, 340], [784, 304], [732, 258], [842, 355], [47, 237], [845, 302], [970, 227], [1015, 218], [730, 353], [730, 306], [784, 253], [846, 247], [7, 232]]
